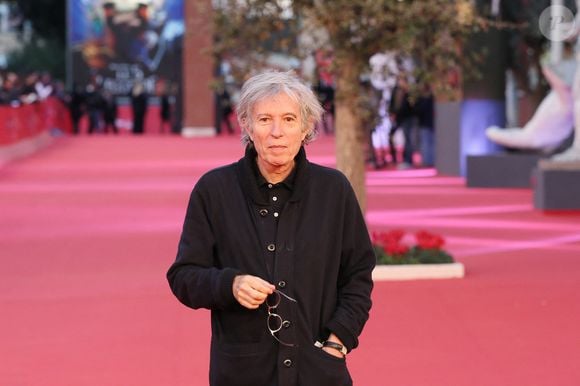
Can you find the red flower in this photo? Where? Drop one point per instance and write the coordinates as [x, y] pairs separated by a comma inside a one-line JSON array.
[[427, 240], [426, 250], [382, 238], [396, 249], [391, 242]]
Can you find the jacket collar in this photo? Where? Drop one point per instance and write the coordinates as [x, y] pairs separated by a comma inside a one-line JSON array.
[[249, 182]]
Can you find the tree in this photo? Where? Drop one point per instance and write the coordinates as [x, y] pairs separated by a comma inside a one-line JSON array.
[[428, 31]]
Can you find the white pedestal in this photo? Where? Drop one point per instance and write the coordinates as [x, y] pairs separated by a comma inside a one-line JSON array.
[[418, 271]]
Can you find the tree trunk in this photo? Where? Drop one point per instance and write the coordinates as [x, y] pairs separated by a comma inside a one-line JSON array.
[[350, 155]]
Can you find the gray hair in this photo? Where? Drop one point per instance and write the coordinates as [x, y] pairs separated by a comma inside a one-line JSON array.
[[272, 83]]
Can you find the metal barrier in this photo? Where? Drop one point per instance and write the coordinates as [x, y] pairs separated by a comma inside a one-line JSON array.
[[27, 121]]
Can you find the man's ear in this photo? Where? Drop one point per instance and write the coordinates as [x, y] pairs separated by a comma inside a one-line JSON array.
[[308, 129], [246, 128]]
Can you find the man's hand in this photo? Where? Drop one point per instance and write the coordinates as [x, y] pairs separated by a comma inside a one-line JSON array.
[[251, 291]]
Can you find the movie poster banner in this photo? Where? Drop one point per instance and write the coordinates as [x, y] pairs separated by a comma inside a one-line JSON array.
[[115, 44]]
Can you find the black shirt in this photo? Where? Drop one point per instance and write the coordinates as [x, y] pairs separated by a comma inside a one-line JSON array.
[[276, 195]]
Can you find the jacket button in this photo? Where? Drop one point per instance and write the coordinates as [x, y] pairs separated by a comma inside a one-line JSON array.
[[271, 247], [281, 284], [263, 212], [286, 324], [287, 362]]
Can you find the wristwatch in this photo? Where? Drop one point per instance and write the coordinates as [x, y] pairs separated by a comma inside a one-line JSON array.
[[336, 346]]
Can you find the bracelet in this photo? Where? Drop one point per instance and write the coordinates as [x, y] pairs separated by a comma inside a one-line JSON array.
[[336, 346]]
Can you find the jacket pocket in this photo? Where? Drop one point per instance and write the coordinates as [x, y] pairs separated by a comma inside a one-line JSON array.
[[242, 364], [318, 367]]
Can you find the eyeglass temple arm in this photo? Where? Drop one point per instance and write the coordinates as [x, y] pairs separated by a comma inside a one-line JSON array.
[[286, 296]]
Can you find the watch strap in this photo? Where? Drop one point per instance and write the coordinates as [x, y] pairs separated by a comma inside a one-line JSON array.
[[336, 346]]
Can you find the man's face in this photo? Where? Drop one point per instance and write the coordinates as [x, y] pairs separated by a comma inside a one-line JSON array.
[[276, 131]]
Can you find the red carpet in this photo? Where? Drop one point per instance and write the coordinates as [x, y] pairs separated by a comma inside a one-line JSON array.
[[89, 226]]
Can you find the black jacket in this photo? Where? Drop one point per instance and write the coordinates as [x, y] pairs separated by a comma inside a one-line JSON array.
[[324, 260]]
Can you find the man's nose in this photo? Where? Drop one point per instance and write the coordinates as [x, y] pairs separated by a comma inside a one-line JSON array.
[[276, 128]]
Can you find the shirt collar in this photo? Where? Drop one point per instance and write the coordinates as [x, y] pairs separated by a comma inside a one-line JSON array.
[[249, 179], [287, 183]]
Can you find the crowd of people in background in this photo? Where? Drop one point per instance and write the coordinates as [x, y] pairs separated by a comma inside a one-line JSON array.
[[16, 89], [407, 114], [97, 106], [102, 108], [407, 138]]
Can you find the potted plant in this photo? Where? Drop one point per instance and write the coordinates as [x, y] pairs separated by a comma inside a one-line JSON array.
[[425, 258]]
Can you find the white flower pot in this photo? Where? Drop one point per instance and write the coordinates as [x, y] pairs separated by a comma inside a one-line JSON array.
[[384, 272]]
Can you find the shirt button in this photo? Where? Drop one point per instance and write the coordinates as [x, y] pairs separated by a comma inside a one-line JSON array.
[[286, 324], [276, 214], [271, 247], [287, 362], [274, 198], [263, 212], [270, 186], [281, 284]]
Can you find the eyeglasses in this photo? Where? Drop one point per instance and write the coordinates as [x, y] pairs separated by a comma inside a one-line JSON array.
[[275, 321]]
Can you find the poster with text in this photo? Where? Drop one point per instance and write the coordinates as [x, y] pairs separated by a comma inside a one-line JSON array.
[[115, 44]]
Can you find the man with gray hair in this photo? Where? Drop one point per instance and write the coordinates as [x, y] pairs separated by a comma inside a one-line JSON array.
[[277, 248]]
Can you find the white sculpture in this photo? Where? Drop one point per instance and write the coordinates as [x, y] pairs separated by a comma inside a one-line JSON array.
[[558, 114], [572, 154], [553, 120]]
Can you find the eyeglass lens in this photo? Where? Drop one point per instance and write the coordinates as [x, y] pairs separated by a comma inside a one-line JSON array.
[[274, 320]]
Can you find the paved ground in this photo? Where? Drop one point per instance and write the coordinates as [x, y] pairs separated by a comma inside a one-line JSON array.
[[89, 226]]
